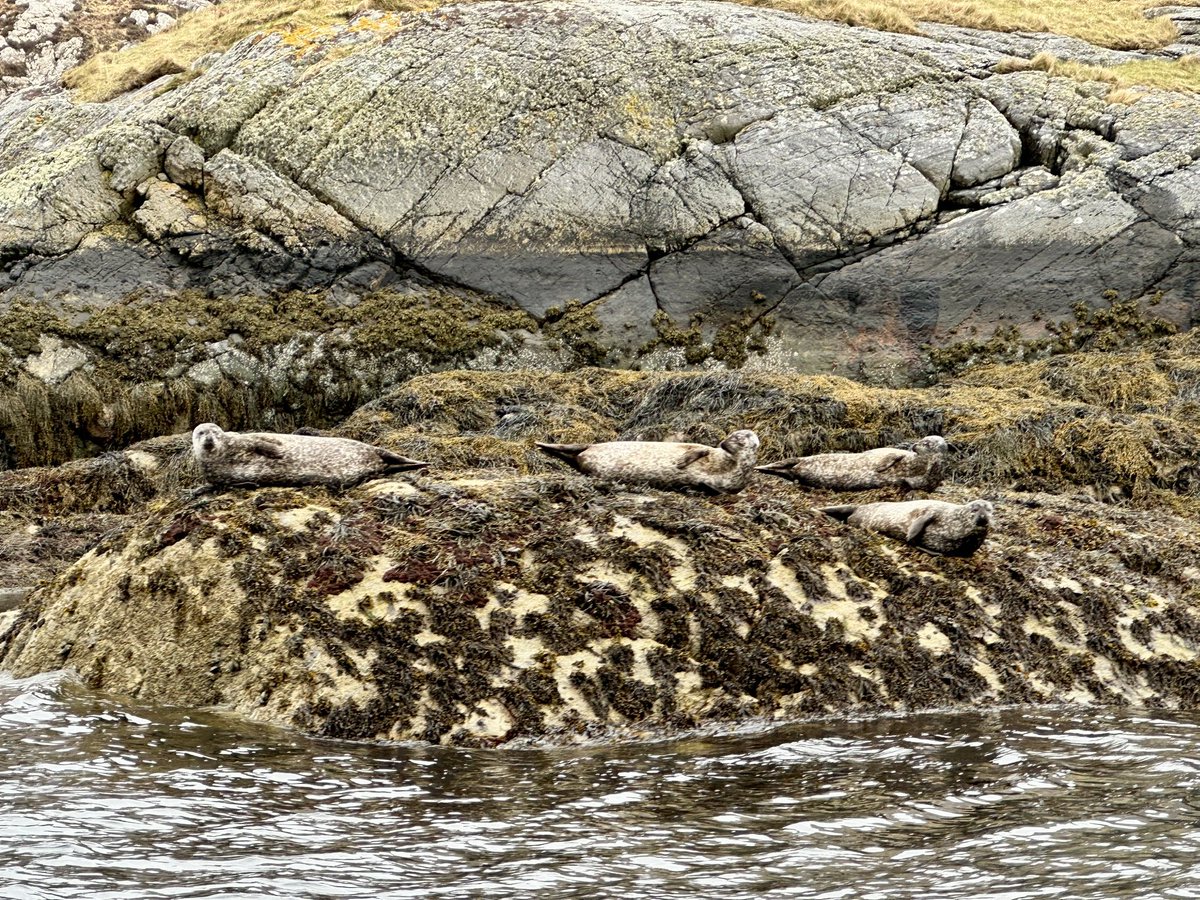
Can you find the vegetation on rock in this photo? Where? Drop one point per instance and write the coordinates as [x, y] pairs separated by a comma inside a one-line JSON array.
[[501, 598], [1118, 24], [1181, 74], [151, 366]]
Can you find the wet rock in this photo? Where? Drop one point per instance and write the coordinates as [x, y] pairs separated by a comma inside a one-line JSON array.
[[499, 599], [54, 360], [12, 598], [494, 149]]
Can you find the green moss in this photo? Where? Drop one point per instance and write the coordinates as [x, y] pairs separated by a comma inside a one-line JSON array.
[[731, 343], [1117, 325], [576, 329]]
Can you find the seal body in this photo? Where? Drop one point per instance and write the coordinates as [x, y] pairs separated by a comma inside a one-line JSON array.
[[949, 529], [723, 469], [918, 469], [262, 458]]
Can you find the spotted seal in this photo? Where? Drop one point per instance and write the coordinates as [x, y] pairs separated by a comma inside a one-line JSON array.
[[918, 469], [723, 469], [947, 529], [261, 458]]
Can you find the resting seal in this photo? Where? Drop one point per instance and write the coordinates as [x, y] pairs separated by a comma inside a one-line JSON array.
[[918, 469], [260, 458], [723, 469], [938, 527]]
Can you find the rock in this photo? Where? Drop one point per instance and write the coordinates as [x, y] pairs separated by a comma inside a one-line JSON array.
[[12, 598], [494, 149], [626, 313], [247, 192], [184, 163], [509, 602], [169, 210], [731, 272], [55, 362]]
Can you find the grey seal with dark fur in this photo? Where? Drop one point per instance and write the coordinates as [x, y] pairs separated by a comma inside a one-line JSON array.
[[948, 529], [723, 469], [261, 458], [918, 469]]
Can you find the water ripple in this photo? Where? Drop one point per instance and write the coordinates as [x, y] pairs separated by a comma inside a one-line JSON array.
[[105, 800]]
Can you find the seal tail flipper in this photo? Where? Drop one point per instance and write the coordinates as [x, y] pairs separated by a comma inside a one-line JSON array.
[[568, 453], [841, 513], [394, 462], [785, 468], [918, 525]]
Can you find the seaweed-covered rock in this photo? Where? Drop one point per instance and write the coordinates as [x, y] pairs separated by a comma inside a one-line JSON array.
[[485, 607], [498, 598]]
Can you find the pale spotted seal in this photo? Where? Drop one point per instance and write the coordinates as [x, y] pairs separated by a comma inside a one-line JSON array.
[[260, 458], [918, 469], [723, 469], [938, 527]]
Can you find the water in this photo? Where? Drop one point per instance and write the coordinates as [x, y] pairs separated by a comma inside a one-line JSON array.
[[102, 799]]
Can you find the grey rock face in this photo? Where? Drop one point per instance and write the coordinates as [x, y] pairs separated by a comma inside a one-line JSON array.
[[872, 192]]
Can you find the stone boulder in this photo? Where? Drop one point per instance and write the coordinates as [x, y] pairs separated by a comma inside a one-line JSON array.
[[858, 194], [499, 598]]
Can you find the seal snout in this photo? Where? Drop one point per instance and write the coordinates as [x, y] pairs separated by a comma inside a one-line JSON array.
[[933, 443], [206, 438], [743, 440], [983, 511]]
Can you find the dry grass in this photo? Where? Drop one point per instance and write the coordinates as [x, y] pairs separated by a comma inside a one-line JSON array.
[[1174, 75], [1107, 23], [114, 72]]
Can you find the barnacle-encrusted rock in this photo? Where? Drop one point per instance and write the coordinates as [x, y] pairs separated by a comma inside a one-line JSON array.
[[497, 599], [485, 607]]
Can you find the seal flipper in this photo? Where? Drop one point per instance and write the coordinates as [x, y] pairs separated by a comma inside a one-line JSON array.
[[267, 447], [568, 453], [918, 525], [692, 456], [394, 462], [892, 462], [785, 468], [841, 513]]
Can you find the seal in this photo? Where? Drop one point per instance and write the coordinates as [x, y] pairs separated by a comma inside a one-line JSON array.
[[723, 469], [918, 469], [945, 529], [259, 458]]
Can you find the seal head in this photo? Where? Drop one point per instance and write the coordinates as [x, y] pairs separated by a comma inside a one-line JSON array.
[[206, 439]]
